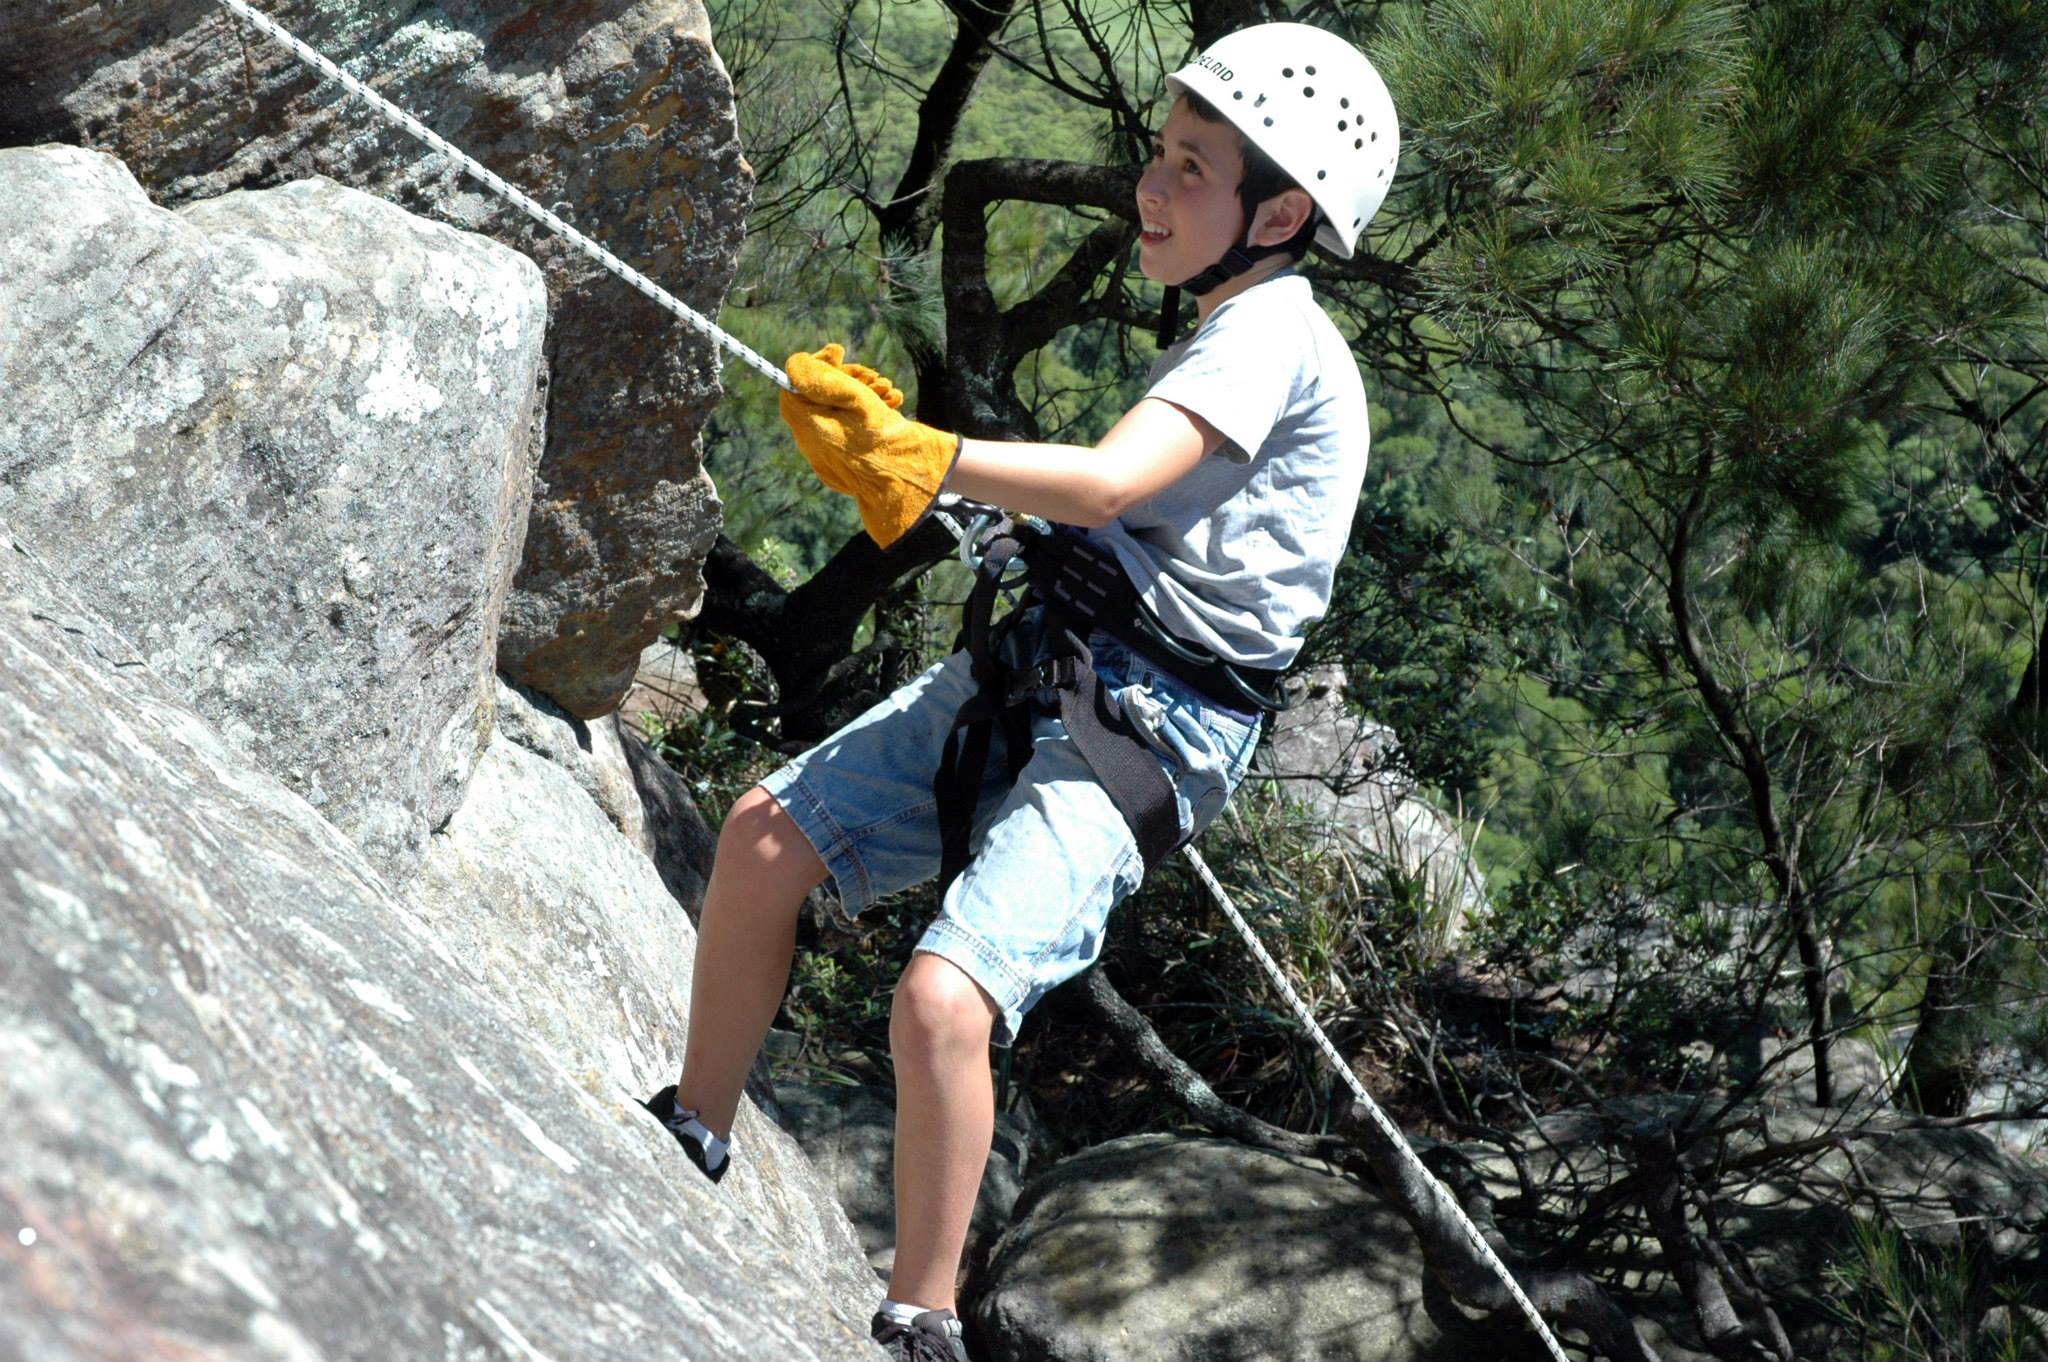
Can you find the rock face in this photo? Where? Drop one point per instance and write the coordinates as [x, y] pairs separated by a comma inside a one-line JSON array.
[[1862, 1075], [592, 753], [296, 484], [615, 112], [1160, 1249], [260, 1108], [684, 844], [566, 922], [288, 1075], [2010, 1080], [1329, 759]]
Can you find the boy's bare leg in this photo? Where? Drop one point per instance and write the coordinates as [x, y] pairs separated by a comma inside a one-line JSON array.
[[939, 1028], [746, 938]]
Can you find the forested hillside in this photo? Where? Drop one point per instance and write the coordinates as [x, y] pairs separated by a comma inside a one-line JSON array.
[[1702, 567]]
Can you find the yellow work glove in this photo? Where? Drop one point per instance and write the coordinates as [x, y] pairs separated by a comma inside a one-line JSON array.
[[846, 422]]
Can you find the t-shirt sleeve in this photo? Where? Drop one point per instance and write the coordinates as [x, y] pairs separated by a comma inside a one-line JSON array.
[[1239, 373]]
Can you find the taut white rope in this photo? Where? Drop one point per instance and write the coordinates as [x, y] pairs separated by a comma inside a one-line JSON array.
[[392, 114], [1372, 1108]]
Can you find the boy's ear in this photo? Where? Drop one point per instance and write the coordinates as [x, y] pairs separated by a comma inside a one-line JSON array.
[[1281, 216]]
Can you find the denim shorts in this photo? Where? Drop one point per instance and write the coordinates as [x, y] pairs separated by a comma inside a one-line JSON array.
[[1051, 854]]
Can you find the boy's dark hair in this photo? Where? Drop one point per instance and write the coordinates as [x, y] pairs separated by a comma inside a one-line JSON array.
[[1263, 177]]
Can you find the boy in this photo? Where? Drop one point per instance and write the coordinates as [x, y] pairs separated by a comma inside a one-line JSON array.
[[1224, 496]]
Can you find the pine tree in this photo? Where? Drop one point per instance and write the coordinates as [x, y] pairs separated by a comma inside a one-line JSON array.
[[1728, 258]]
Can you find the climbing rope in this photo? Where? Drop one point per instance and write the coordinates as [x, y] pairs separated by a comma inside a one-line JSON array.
[[398, 117], [1372, 1108]]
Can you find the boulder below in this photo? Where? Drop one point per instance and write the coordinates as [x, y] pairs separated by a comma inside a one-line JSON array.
[[849, 1134], [1163, 1249]]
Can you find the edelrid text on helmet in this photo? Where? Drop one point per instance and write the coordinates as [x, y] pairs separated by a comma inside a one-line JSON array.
[[1315, 105]]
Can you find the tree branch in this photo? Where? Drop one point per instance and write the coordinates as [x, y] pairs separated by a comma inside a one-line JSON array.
[[1756, 772], [906, 220], [978, 375], [805, 636]]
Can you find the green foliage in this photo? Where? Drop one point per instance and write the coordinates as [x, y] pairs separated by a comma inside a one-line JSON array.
[[1734, 389], [1416, 629], [1567, 127], [718, 764], [1901, 1300]]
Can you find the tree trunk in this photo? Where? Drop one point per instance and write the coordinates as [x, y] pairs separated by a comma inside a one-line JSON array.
[[1940, 1062], [805, 636]]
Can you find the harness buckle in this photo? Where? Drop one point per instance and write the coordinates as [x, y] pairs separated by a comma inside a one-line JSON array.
[[1052, 673]]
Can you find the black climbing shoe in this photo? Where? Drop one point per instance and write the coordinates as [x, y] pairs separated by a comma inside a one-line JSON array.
[[663, 1105], [928, 1338]]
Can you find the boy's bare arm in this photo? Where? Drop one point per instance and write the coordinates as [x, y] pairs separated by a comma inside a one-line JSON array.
[[1152, 447], [848, 422]]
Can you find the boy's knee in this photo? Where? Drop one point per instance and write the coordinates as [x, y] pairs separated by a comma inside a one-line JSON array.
[[754, 825], [937, 1004], [763, 845]]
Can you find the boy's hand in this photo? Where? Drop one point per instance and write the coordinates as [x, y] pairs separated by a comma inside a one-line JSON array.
[[845, 420]]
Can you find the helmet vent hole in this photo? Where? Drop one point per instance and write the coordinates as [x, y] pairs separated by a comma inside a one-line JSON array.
[[1287, 73], [1322, 174], [1269, 120], [1308, 91], [1342, 124], [1360, 143], [1343, 103], [1237, 94], [1375, 135], [1308, 70]]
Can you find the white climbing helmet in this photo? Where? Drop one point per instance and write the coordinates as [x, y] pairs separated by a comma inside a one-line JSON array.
[[1313, 103]]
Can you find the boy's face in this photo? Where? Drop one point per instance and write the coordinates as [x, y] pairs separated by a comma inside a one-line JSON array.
[[1187, 197]]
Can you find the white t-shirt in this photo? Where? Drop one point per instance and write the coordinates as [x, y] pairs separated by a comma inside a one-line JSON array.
[[1240, 554]]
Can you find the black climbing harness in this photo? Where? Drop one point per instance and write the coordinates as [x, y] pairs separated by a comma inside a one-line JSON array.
[[1081, 590]]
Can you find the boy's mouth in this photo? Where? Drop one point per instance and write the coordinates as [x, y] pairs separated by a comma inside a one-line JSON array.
[[1151, 233]]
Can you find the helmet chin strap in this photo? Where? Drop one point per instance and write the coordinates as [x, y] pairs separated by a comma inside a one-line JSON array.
[[1235, 261]]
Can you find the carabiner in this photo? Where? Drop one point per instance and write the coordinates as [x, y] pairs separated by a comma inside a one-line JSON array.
[[971, 537]]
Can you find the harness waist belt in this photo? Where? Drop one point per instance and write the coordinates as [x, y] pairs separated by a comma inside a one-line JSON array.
[[1090, 585]]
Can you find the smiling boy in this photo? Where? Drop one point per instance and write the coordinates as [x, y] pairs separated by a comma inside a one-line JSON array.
[[1223, 500]]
